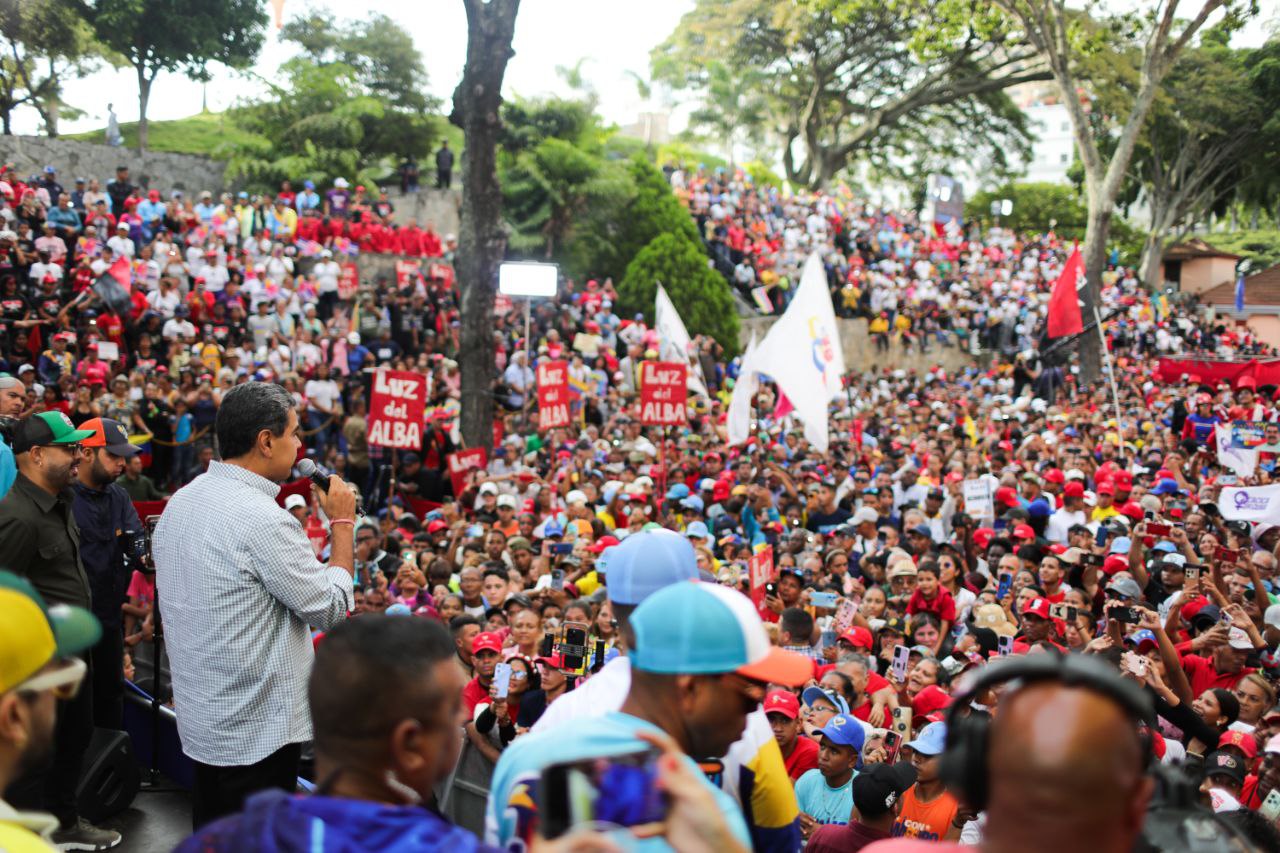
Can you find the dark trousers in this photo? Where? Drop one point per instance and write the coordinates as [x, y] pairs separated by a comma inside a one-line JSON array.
[[220, 791], [444, 177], [108, 678], [52, 787]]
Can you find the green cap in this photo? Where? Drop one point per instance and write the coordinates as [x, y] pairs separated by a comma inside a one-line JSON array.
[[47, 428]]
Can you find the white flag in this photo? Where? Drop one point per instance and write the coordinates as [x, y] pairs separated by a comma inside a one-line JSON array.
[[674, 342], [744, 388], [802, 353], [1240, 460], [1252, 503]]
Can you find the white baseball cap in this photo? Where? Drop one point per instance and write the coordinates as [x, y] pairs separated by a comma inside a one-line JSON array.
[[294, 501]]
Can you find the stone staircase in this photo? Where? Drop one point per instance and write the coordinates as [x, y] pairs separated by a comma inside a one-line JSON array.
[[438, 207]]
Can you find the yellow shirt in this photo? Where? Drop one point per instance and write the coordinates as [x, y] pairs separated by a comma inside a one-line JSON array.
[[1101, 514], [25, 832]]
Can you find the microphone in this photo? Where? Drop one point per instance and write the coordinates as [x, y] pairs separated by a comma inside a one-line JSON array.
[[311, 471]]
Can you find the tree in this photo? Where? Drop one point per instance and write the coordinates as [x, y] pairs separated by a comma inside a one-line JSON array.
[[701, 294], [1037, 207], [178, 35], [351, 103], [482, 240], [556, 179], [1064, 41], [41, 44], [1206, 127], [859, 79]]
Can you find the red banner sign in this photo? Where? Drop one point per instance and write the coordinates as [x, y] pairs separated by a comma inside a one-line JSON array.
[[349, 281], [553, 394], [762, 568], [461, 464], [663, 390], [1263, 371], [396, 409], [407, 273]]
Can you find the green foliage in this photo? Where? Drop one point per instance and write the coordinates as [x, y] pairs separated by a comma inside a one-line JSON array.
[[1260, 246], [41, 44], [652, 210], [689, 157], [178, 35], [853, 81], [352, 105], [699, 292], [208, 134], [1037, 207]]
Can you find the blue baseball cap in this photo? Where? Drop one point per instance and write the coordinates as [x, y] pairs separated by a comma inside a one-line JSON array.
[[1141, 639], [818, 694], [1166, 487], [844, 730], [692, 502], [1039, 508], [1120, 545], [677, 492], [1164, 545], [697, 529], [931, 740], [707, 629], [648, 561]]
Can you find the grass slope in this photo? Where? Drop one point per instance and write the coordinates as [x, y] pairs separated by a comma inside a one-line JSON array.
[[202, 133]]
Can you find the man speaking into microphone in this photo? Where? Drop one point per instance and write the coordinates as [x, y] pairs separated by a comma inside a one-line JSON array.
[[238, 588]]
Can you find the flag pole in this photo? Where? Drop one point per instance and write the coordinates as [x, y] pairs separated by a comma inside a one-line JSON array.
[[1111, 373]]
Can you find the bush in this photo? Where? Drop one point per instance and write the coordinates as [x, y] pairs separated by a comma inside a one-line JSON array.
[[1035, 206], [700, 294]]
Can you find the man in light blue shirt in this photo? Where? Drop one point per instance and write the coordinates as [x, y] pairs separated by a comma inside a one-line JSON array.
[[826, 792], [13, 399], [700, 663]]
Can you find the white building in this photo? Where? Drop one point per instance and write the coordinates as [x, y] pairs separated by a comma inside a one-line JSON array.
[[1054, 146]]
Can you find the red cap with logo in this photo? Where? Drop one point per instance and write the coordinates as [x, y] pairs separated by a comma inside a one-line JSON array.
[[782, 702], [858, 637], [486, 641], [1037, 607]]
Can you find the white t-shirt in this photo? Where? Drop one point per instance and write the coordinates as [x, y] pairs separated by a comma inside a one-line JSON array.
[[322, 392], [1062, 521]]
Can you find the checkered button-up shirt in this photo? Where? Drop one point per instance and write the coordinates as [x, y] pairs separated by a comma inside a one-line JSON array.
[[238, 585]]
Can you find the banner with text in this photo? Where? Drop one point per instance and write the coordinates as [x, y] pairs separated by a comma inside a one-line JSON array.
[[396, 409], [663, 390], [348, 281], [461, 464], [553, 394]]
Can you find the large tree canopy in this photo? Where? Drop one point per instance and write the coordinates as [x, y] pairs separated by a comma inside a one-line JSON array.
[[41, 44], [886, 81], [351, 102], [178, 35]]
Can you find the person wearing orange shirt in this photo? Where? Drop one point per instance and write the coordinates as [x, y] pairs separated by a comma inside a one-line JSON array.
[[928, 811]]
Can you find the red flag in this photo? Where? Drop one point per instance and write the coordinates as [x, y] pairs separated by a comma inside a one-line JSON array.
[[1064, 307], [121, 272]]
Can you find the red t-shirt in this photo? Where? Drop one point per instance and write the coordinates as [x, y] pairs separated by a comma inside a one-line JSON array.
[[1202, 675], [473, 694], [941, 605], [802, 759], [875, 683]]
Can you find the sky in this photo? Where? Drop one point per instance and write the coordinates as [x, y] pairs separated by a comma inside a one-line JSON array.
[[612, 36]]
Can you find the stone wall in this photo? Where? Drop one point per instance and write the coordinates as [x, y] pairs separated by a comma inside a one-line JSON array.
[[73, 159]]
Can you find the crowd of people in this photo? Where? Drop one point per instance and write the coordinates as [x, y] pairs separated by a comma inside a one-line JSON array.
[[787, 633]]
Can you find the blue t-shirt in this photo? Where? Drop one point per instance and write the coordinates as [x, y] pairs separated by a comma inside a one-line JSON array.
[[822, 802], [8, 467], [510, 819]]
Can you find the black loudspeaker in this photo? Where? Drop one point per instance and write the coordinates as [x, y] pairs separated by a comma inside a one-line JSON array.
[[110, 776]]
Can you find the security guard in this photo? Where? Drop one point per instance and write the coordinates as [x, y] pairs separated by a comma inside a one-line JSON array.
[[110, 533]]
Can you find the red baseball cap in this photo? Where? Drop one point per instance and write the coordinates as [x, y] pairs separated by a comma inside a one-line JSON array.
[[1054, 475], [1132, 509], [1124, 480], [1192, 607], [1243, 741], [858, 637], [782, 702], [1034, 607], [486, 641], [1007, 495], [1074, 489], [1105, 488], [436, 525], [1023, 531], [930, 699], [982, 537], [602, 543], [1115, 563]]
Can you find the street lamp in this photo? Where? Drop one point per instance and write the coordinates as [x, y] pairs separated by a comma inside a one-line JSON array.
[[530, 280]]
